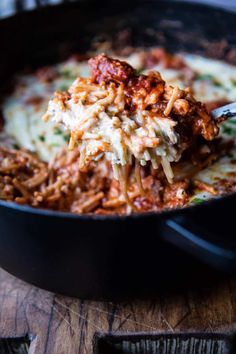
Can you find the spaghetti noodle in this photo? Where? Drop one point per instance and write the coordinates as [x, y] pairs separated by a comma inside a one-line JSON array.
[[120, 116]]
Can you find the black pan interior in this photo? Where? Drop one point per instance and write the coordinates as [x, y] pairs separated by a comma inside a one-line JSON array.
[[113, 255], [48, 35], [52, 33]]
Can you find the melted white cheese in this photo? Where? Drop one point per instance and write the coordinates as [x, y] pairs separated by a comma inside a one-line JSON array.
[[214, 80]]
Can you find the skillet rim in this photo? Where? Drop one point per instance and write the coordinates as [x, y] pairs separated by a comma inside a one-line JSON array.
[[54, 6], [69, 215], [62, 214]]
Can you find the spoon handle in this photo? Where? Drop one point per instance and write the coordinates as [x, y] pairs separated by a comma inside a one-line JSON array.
[[224, 112]]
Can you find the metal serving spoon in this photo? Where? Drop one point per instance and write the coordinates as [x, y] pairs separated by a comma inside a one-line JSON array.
[[224, 112]]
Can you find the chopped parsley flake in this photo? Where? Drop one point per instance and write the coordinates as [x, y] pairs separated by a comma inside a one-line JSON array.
[[63, 87], [217, 83], [197, 200], [42, 138], [16, 146], [67, 74], [55, 145], [139, 71], [226, 129], [203, 77], [57, 131], [208, 77], [66, 137]]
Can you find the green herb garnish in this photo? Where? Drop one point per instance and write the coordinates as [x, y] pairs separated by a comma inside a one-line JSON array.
[[16, 146], [67, 74], [139, 71], [208, 77], [42, 138], [197, 200], [57, 131], [203, 77], [55, 145], [66, 137], [217, 83], [228, 130], [63, 87]]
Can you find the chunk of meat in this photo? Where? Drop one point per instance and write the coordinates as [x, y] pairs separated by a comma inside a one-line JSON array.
[[105, 69], [203, 124], [125, 117], [144, 90], [47, 74], [215, 104], [167, 60], [176, 194]]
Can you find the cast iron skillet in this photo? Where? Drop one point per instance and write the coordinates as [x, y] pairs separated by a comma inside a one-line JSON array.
[[109, 256]]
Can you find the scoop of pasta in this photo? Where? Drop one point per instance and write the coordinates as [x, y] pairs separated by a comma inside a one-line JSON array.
[[126, 117]]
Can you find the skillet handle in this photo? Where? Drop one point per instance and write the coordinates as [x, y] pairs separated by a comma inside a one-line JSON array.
[[208, 248]]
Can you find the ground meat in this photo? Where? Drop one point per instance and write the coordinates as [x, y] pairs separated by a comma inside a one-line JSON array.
[[225, 186], [61, 186], [47, 74], [217, 49], [176, 194], [143, 90], [148, 91], [203, 124], [155, 114], [34, 100], [167, 60], [105, 69], [231, 56], [215, 104], [181, 107], [146, 203]]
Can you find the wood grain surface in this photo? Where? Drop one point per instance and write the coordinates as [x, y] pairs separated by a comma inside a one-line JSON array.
[[61, 325]]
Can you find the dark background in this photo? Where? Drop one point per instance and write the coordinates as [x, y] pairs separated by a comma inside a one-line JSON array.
[[8, 7]]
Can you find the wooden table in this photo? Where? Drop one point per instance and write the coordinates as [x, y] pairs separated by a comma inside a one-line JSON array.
[[60, 325]]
